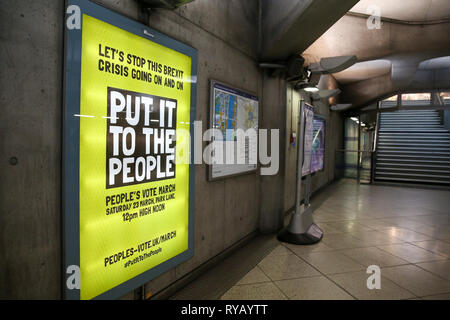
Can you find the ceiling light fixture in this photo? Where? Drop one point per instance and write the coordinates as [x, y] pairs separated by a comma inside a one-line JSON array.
[[306, 87], [311, 89]]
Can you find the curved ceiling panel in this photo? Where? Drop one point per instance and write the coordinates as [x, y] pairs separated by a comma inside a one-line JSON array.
[[405, 46], [436, 63], [364, 70], [407, 10]]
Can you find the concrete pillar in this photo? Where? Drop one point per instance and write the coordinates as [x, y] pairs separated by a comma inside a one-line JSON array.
[[31, 60], [273, 111]]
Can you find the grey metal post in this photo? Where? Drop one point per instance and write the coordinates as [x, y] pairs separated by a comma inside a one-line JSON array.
[[300, 149], [300, 221], [301, 229], [358, 178], [307, 190]]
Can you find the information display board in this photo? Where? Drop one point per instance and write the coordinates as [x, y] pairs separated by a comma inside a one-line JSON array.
[[233, 109], [130, 92], [308, 112], [318, 145]]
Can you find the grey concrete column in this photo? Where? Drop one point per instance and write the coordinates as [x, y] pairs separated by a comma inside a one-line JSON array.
[[273, 111], [31, 60]]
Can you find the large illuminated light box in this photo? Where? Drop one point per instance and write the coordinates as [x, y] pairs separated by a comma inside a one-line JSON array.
[[128, 190], [308, 112], [318, 145]]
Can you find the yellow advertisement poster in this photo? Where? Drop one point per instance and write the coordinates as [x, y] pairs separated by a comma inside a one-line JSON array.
[[135, 96]]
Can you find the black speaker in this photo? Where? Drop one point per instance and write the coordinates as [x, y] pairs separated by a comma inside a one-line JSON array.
[[314, 78], [294, 67]]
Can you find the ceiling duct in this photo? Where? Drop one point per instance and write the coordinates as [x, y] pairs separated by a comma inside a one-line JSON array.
[[333, 64], [329, 65], [163, 4], [341, 107], [292, 68], [325, 94]]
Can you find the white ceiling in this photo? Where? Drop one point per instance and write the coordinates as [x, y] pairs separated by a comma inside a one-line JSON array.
[[396, 57], [407, 10]]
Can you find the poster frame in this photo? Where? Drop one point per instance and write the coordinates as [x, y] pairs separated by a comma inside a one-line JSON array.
[[71, 145], [322, 118], [242, 92], [305, 105]]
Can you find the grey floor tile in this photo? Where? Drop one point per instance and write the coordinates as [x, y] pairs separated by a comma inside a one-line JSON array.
[[440, 268], [391, 227], [260, 291], [418, 281], [356, 284], [435, 219], [423, 229], [375, 238], [280, 250], [347, 226], [404, 222], [300, 250], [424, 218], [315, 288], [328, 217], [435, 232], [326, 228], [373, 256], [405, 234], [411, 253], [437, 246], [254, 276], [329, 262], [375, 223], [343, 241], [286, 267]]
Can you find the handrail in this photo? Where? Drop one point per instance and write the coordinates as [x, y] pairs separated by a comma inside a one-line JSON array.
[[375, 146], [375, 139]]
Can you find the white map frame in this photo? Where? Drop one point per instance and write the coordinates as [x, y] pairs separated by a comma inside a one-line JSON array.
[[223, 171]]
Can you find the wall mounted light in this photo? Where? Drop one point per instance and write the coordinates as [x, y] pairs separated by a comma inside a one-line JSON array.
[[306, 87], [311, 89]]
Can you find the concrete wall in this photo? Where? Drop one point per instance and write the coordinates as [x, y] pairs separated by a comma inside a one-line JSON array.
[[228, 210], [30, 192], [225, 33], [282, 20], [334, 137], [272, 187], [226, 36]]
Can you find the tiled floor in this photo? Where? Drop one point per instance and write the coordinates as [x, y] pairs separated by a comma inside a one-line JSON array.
[[404, 231]]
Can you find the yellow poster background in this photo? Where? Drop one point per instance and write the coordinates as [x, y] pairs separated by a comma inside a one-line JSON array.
[[101, 235]]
